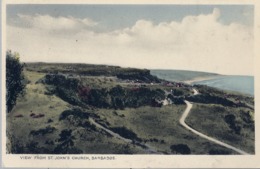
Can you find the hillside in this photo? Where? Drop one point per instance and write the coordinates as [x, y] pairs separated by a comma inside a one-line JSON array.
[[99, 109]]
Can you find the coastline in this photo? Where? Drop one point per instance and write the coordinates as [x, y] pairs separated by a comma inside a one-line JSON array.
[[197, 79]]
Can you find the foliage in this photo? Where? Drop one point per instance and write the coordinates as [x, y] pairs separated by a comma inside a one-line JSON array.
[[180, 149], [219, 152], [124, 132], [230, 120], [42, 132], [141, 75], [211, 99], [98, 98], [61, 80], [203, 89], [74, 112], [63, 86], [14, 79], [66, 142], [68, 95], [120, 98], [177, 92], [176, 100], [138, 75], [71, 91]]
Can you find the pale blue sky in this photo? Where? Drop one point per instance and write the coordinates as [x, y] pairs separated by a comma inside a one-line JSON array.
[[188, 37], [112, 17]]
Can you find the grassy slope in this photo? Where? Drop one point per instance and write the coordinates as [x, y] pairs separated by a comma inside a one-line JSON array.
[[210, 120], [150, 124], [162, 124], [35, 101]]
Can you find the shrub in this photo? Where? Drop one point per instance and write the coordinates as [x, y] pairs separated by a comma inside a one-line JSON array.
[[61, 80], [218, 152], [180, 149], [89, 126], [98, 98], [126, 133], [14, 79], [44, 131], [137, 75], [63, 86], [66, 142], [230, 120], [211, 99], [175, 100], [177, 92], [68, 95], [74, 112]]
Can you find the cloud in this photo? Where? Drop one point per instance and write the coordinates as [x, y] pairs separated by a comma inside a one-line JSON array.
[[49, 23], [196, 43]]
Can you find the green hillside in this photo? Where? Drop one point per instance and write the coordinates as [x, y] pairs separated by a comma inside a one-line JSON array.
[[99, 109]]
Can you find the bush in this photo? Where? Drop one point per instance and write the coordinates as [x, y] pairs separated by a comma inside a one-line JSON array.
[[74, 112], [44, 131], [180, 149], [218, 152], [66, 141], [73, 92], [176, 100], [177, 92], [126, 133], [231, 121], [14, 79], [211, 99], [119, 97], [98, 98], [137, 75], [61, 80], [68, 95]]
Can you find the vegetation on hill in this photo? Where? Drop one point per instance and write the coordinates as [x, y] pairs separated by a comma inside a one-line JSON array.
[[140, 75], [70, 90], [14, 79], [217, 96], [233, 125], [97, 109]]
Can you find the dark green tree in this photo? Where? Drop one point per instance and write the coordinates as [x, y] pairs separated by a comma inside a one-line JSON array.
[[180, 149], [14, 79], [66, 142]]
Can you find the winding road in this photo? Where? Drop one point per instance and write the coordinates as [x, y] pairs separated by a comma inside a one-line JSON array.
[[182, 122], [185, 114]]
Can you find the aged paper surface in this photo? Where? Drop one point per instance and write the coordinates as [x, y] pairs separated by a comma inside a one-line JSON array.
[[45, 34]]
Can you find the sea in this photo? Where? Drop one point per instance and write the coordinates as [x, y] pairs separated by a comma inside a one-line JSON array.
[[242, 84]]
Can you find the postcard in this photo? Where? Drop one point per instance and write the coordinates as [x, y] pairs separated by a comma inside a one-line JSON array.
[[130, 84]]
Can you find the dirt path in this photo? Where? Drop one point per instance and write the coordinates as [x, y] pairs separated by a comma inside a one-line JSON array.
[[147, 148], [182, 122], [195, 92]]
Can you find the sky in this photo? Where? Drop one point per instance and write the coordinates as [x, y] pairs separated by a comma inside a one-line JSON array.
[[210, 38]]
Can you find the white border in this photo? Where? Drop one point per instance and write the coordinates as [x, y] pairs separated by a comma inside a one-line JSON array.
[[142, 161]]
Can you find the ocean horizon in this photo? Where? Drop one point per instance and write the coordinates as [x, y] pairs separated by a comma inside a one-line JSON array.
[[237, 83], [242, 84]]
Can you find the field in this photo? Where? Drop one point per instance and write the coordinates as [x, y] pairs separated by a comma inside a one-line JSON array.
[[99, 109], [234, 126]]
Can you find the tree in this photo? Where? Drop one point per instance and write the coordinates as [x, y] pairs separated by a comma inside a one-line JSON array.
[[14, 79], [66, 142], [180, 149]]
